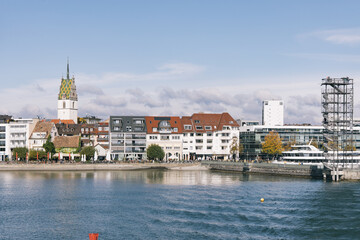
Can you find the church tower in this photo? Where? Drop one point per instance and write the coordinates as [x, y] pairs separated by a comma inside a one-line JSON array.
[[67, 99]]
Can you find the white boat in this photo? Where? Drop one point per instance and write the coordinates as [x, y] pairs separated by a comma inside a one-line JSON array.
[[303, 154]]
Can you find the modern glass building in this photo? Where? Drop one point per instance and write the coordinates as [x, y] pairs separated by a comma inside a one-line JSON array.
[[252, 137]]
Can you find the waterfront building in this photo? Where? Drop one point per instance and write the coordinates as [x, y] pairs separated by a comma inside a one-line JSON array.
[[88, 134], [68, 99], [127, 137], [167, 133], [102, 134], [101, 151], [208, 136], [66, 144], [40, 134], [273, 113], [252, 137], [14, 133], [19, 133]]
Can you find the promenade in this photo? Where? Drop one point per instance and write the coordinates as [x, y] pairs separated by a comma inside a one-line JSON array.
[[98, 166]]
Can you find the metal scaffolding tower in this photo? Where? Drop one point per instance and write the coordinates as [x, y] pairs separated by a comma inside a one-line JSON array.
[[337, 110]]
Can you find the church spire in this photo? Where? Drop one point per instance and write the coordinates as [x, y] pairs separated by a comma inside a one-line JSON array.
[[68, 77]]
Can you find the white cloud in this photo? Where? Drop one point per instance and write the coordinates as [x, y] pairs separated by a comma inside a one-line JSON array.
[[242, 98], [336, 36]]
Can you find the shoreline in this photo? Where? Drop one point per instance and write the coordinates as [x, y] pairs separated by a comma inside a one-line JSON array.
[[100, 167]]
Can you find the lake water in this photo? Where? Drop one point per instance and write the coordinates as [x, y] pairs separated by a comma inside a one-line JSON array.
[[158, 204]]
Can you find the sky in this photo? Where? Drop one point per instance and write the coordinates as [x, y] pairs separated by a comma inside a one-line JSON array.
[[176, 58]]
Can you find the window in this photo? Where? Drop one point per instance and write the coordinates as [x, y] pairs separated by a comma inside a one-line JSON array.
[[207, 127], [197, 121], [187, 127], [191, 134], [165, 137], [175, 129], [209, 134], [209, 141], [168, 148], [154, 129], [199, 141], [199, 128], [208, 147], [175, 137], [128, 128]]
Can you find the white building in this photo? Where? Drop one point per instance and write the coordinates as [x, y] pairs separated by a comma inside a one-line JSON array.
[[41, 133], [68, 99], [273, 113], [208, 136], [167, 133], [14, 133]]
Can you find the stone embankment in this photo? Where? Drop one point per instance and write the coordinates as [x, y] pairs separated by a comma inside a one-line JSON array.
[[99, 167], [267, 168]]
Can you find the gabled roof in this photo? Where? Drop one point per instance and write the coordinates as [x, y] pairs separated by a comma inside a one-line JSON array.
[[66, 141], [43, 127], [208, 122], [152, 122]]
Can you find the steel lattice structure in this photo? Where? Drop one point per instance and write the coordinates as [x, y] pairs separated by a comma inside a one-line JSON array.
[[337, 110]]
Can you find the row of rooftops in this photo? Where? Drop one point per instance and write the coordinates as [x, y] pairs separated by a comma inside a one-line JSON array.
[[198, 122]]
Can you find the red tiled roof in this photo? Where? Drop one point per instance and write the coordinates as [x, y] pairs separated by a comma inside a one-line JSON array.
[[216, 121], [153, 122], [57, 121]]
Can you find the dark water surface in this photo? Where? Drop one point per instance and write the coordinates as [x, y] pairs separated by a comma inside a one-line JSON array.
[[157, 204]]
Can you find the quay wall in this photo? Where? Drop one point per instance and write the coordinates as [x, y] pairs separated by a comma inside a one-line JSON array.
[[350, 174], [267, 168]]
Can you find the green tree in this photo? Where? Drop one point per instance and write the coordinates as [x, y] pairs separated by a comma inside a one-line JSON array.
[[155, 152], [272, 145], [21, 152], [33, 153], [49, 146], [88, 152]]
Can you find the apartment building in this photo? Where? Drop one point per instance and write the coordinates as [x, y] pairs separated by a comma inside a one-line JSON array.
[[14, 133], [127, 137], [167, 133], [208, 136]]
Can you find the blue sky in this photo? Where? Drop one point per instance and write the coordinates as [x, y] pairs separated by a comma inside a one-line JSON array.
[[176, 57]]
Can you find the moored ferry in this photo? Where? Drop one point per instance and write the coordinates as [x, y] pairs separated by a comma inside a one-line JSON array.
[[303, 154]]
